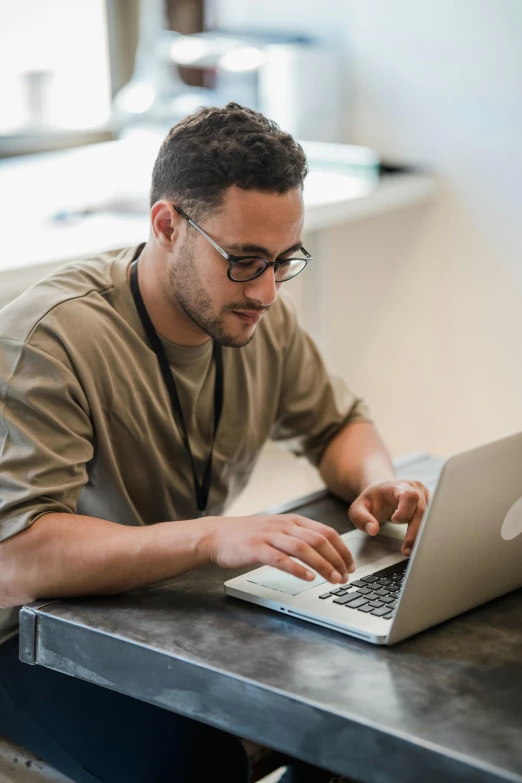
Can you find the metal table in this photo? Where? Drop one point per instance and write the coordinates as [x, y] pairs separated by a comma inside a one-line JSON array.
[[443, 706]]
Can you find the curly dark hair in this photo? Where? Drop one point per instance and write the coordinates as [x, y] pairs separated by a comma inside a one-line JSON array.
[[215, 148]]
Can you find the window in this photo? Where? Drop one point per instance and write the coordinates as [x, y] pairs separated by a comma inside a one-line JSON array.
[[54, 67]]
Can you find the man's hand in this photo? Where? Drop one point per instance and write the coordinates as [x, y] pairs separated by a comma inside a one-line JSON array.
[[231, 542], [399, 501]]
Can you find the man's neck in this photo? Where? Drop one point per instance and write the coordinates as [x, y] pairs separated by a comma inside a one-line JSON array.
[[168, 318]]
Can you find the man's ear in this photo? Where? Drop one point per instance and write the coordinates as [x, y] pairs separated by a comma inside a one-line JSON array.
[[165, 224]]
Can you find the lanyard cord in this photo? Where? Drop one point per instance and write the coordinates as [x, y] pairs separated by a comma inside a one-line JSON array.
[[201, 489]]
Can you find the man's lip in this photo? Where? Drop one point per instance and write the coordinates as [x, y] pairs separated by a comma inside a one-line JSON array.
[[250, 316]]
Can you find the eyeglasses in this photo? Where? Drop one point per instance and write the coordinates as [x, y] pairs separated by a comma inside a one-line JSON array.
[[244, 268]]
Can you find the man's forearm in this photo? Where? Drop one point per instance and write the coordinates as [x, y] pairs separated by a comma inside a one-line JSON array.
[[355, 459], [70, 555]]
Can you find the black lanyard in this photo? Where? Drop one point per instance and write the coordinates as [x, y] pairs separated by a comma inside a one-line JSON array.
[[202, 489]]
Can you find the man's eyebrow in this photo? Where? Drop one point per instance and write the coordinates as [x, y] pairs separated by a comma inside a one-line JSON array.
[[248, 249]]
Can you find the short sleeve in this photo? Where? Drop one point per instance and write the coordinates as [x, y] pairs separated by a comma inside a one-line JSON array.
[[313, 404], [46, 436]]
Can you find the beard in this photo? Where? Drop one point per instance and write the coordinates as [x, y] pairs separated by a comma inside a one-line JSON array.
[[187, 290]]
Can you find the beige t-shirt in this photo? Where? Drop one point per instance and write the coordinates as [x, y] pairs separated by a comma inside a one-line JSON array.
[[86, 423]]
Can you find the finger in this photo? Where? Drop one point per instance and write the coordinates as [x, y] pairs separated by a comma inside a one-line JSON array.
[[421, 487], [393, 490], [270, 556], [413, 528], [296, 547], [332, 536], [321, 544], [407, 502], [363, 519]]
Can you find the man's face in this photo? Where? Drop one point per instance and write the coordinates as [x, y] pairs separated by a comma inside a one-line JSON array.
[[265, 225]]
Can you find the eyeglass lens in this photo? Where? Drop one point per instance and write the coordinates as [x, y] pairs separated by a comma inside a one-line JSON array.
[[253, 267]]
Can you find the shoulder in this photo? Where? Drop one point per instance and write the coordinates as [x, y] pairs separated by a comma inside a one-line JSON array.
[[67, 303]]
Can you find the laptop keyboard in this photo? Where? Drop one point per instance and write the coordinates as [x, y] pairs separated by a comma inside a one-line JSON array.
[[375, 594]]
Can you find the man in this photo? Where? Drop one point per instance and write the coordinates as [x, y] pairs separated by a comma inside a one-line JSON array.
[[136, 392]]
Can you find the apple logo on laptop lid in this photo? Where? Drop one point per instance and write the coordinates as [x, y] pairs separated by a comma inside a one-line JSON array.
[[512, 524]]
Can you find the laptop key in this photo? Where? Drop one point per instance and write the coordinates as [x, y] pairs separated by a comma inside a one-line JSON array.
[[325, 595], [385, 582], [339, 591], [387, 599], [369, 578], [372, 597], [343, 599], [358, 583], [382, 591], [377, 604], [389, 571], [381, 612], [366, 609], [362, 601], [388, 616], [364, 590]]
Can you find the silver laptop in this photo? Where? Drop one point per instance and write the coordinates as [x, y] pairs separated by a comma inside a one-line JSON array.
[[468, 551]]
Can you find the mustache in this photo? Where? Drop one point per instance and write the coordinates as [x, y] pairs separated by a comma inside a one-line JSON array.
[[245, 308]]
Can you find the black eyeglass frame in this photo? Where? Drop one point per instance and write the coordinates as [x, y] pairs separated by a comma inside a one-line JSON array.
[[233, 260]]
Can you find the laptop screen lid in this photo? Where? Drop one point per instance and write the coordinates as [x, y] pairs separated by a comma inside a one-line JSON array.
[[469, 547]]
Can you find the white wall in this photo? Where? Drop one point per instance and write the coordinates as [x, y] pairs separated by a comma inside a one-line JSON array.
[[438, 83], [444, 86]]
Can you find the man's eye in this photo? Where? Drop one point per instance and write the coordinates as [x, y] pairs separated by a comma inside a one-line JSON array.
[[251, 262]]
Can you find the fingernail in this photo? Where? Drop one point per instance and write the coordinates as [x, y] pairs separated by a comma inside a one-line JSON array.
[[407, 550], [310, 575], [368, 528], [336, 577], [352, 568]]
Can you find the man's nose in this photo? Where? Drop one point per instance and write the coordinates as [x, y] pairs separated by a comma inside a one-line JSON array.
[[263, 288]]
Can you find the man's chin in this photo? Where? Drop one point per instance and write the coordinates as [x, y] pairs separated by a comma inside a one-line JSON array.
[[232, 333], [235, 341], [236, 338]]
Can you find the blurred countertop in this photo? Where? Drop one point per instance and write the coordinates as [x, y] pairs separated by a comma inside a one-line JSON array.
[[60, 206]]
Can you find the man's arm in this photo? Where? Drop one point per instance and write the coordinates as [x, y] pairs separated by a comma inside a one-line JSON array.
[[355, 464], [355, 459], [63, 555]]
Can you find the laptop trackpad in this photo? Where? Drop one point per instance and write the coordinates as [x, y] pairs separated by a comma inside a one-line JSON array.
[[363, 547]]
